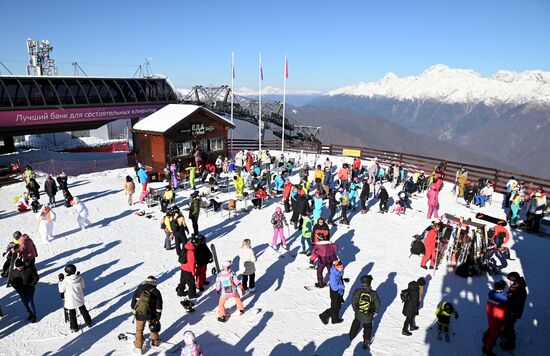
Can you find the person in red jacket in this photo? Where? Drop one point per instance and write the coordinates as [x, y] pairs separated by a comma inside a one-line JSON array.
[[27, 249], [496, 312], [501, 235], [287, 188], [429, 246], [321, 231], [325, 253], [356, 167], [259, 195], [188, 268], [343, 175]]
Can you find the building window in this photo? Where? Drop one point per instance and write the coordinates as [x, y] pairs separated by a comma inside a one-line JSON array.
[[179, 149], [216, 144], [80, 133]]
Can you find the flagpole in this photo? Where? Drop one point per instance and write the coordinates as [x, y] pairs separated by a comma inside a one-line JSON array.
[[232, 92], [284, 105], [260, 107]]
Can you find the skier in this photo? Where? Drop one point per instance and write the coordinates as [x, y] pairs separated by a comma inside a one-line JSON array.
[[429, 246], [129, 189], [246, 265], [259, 195], [46, 218], [300, 208], [364, 196], [71, 288], [203, 256], [383, 196], [51, 189], [325, 252], [194, 211], [517, 294], [62, 182], [443, 314], [433, 202], [143, 177], [307, 231], [147, 308], [82, 213], [23, 279], [336, 292], [319, 177], [410, 307], [227, 285], [366, 304], [496, 311], [278, 219], [191, 348]]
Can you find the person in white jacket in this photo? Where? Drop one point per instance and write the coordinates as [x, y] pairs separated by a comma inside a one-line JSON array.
[[46, 218], [82, 212], [246, 265], [71, 289]]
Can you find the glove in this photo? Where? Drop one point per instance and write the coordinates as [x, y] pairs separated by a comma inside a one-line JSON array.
[[61, 277]]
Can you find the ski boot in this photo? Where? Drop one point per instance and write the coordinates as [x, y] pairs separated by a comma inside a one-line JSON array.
[[319, 284], [222, 319], [447, 338], [366, 344], [439, 335]]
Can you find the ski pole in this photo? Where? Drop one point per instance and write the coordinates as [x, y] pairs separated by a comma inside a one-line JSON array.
[[433, 323]]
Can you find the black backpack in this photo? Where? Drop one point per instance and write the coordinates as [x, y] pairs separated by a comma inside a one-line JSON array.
[[404, 295], [183, 256], [417, 246]]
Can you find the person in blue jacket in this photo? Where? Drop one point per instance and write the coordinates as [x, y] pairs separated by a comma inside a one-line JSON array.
[[354, 189], [279, 182], [317, 205], [336, 290], [143, 177], [327, 183]]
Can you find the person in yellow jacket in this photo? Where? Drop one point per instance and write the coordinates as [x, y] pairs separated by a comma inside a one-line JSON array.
[[238, 182], [192, 173], [462, 179], [318, 176], [166, 225], [443, 314]]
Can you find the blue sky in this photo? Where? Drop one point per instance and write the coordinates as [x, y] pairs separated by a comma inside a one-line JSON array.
[[329, 43]]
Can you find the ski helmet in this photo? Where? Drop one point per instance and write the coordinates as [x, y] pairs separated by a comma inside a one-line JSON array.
[[188, 337], [226, 265], [169, 211], [70, 269], [513, 276], [366, 279], [448, 308], [154, 327]]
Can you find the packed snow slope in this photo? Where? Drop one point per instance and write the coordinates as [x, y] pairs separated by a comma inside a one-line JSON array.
[[121, 249]]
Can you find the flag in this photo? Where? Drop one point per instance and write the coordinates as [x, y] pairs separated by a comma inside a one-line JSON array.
[[233, 65], [286, 68], [261, 71]]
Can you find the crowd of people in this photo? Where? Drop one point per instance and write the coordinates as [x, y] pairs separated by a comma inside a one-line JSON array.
[[323, 198]]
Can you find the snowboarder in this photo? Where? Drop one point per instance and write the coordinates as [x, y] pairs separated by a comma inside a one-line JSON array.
[[191, 348], [278, 219], [203, 256], [227, 285], [366, 304], [192, 171], [129, 189], [46, 218], [23, 279], [517, 294], [194, 211], [71, 288], [443, 314], [411, 299], [51, 189], [147, 308], [429, 246], [496, 311], [82, 213], [325, 253], [336, 292], [246, 265]]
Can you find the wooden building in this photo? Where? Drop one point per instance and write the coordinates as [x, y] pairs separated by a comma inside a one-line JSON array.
[[173, 133]]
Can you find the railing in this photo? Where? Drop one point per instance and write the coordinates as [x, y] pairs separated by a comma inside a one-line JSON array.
[[410, 161]]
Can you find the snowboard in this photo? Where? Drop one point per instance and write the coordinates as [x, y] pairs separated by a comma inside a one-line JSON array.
[[12, 266], [491, 219], [466, 221], [215, 270]]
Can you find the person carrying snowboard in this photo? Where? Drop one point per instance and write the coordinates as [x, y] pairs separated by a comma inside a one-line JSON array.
[[336, 292], [147, 308], [411, 299], [496, 311], [443, 314], [325, 253], [366, 304], [71, 289], [278, 219], [227, 285]]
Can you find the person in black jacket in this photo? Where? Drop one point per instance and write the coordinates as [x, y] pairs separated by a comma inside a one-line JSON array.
[[62, 185], [23, 280], [203, 257], [299, 209], [517, 295], [179, 229], [332, 205], [364, 195], [383, 196], [147, 308], [51, 189], [33, 188], [410, 308], [194, 211]]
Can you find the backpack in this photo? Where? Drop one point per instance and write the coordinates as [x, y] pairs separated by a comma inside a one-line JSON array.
[[142, 305], [500, 239], [404, 295], [183, 256], [417, 247], [365, 302]]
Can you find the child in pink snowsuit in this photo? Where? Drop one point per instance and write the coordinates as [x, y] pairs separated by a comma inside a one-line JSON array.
[[278, 220], [433, 202]]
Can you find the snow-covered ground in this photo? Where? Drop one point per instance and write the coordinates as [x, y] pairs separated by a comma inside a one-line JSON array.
[[122, 249]]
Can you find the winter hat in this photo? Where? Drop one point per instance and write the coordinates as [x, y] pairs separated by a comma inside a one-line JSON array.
[[513, 276], [151, 280], [448, 308], [366, 280], [188, 337], [356, 179], [278, 209], [195, 193], [499, 285], [70, 269], [17, 234], [226, 265], [421, 281]]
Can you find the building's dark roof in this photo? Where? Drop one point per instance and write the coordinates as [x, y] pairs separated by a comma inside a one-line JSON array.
[[35, 92]]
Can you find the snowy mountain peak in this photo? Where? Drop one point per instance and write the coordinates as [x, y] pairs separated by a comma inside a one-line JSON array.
[[453, 85]]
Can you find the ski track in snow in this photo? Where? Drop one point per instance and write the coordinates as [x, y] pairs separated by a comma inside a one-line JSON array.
[[121, 249]]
